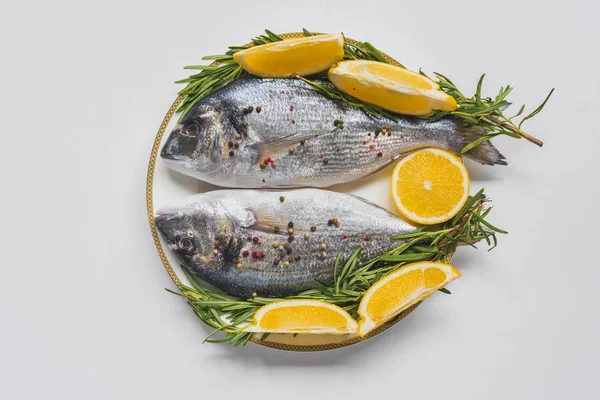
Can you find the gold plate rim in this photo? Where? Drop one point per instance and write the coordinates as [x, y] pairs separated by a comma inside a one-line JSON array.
[[177, 281]]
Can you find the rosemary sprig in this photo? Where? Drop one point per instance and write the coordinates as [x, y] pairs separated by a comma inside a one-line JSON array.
[[486, 112], [352, 278]]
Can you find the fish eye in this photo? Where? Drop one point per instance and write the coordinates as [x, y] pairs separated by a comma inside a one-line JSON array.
[[191, 128], [186, 244]]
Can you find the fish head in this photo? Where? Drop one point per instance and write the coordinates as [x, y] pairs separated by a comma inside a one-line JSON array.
[[201, 233], [197, 143]]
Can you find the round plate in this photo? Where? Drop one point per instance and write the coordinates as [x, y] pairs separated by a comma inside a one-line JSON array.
[[164, 186]]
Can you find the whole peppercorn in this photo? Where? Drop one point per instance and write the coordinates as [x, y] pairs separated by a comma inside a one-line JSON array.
[[262, 165], [291, 238], [230, 144], [258, 109], [306, 236], [325, 161], [276, 262], [289, 250], [255, 239], [249, 109], [239, 265], [245, 253], [302, 142], [276, 228], [313, 228], [231, 153], [286, 263], [290, 259], [238, 136], [236, 145], [291, 150], [297, 257], [273, 165], [291, 230], [290, 224]]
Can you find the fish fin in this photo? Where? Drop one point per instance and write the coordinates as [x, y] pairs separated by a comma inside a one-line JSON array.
[[279, 145], [266, 221], [485, 152]]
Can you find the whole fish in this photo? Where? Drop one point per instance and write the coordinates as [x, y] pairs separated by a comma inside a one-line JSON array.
[[274, 243], [256, 133]]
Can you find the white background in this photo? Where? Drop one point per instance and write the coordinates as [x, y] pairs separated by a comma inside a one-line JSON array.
[[83, 313]]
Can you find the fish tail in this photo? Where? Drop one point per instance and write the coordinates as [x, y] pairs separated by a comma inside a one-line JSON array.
[[485, 152]]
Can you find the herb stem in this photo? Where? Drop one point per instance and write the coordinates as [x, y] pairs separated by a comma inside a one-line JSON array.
[[511, 127]]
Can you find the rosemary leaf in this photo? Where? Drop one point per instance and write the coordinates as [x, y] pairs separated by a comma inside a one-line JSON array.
[[537, 110]]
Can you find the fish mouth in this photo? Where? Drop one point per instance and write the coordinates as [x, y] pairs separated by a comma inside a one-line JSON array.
[[173, 148], [165, 155], [168, 155]]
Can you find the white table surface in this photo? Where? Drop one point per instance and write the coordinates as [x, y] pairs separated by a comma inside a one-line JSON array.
[[83, 311]]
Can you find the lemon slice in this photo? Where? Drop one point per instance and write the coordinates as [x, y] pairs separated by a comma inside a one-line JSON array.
[[389, 87], [430, 186], [302, 316], [399, 290], [304, 56]]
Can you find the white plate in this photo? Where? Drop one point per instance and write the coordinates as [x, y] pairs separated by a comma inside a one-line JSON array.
[[165, 186]]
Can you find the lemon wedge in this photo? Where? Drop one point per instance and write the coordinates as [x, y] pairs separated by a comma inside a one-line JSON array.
[[304, 56], [392, 88], [302, 316], [399, 290]]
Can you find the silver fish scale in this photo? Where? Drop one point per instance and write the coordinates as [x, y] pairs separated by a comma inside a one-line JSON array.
[[242, 214], [291, 112]]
